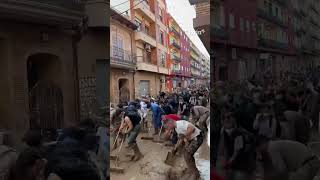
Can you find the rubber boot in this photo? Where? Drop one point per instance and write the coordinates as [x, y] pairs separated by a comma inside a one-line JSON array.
[[192, 171], [137, 154]]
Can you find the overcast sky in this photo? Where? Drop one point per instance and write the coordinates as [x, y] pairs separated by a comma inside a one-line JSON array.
[[183, 13]]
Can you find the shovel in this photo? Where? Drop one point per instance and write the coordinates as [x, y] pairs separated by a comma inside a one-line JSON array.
[[170, 158], [171, 155]]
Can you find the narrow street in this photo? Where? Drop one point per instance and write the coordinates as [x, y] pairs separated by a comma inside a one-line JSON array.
[[152, 166]]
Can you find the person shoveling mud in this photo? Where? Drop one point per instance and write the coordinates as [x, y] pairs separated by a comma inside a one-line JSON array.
[[132, 121], [193, 138]]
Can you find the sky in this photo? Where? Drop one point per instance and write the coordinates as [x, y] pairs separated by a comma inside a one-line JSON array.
[[183, 13]]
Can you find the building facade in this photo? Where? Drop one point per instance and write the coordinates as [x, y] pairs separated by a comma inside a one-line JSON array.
[[38, 66], [263, 37], [195, 61], [179, 58], [123, 58], [93, 60], [151, 46], [201, 22]]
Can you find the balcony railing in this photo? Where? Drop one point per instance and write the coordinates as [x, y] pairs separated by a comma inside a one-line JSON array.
[[176, 45], [272, 44], [220, 32], [176, 58], [263, 14], [194, 66], [176, 71], [120, 56], [175, 31]]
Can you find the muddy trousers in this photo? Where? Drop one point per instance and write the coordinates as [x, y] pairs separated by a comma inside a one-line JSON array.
[[191, 148], [134, 134]]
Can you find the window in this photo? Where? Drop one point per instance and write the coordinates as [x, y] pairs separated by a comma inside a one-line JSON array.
[[163, 59], [277, 11], [248, 26], [160, 14], [161, 38], [241, 24], [231, 21], [147, 29], [138, 23]]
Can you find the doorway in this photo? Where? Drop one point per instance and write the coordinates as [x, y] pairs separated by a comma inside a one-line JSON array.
[[45, 92], [124, 92]]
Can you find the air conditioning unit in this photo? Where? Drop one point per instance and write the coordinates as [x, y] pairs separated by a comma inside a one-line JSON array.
[[147, 47]]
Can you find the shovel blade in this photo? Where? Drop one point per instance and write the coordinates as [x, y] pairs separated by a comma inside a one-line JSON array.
[[169, 159], [117, 170], [147, 138]]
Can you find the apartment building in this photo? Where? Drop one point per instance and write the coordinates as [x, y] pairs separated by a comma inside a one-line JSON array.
[[264, 37], [306, 26], [123, 58], [179, 58], [195, 61], [151, 46]]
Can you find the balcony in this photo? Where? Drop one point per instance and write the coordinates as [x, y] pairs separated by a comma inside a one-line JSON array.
[[267, 43], [176, 72], [176, 58], [219, 32], [267, 16], [121, 58], [144, 37], [193, 2], [145, 9], [163, 70], [175, 44], [175, 32], [66, 13], [195, 58], [145, 66], [195, 67]]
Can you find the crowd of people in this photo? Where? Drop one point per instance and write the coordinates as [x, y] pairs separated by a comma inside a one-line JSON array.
[[264, 127], [80, 152], [181, 117]]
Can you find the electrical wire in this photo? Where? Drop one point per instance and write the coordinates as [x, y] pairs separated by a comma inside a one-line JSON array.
[[119, 4], [129, 8]]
